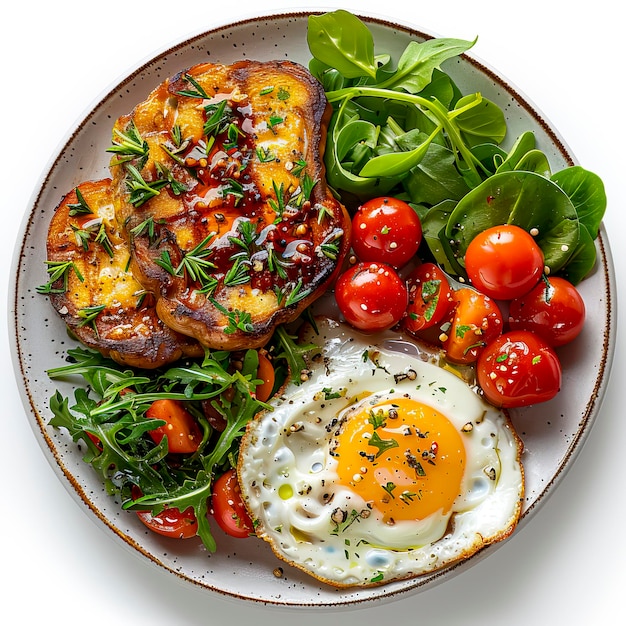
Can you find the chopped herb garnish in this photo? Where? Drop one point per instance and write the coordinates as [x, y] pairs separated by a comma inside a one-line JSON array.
[[81, 207], [89, 315], [377, 419], [329, 394], [275, 120], [57, 270], [175, 185], [389, 487], [129, 145], [298, 167], [237, 320], [296, 294], [430, 297], [461, 329], [140, 190], [343, 520], [278, 204], [197, 91], [218, 118], [195, 262], [407, 496], [382, 444], [264, 154], [238, 273], [82, 237], [145, 228], [103, 239]]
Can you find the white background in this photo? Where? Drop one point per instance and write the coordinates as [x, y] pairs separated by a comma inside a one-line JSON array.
[[565, 567]]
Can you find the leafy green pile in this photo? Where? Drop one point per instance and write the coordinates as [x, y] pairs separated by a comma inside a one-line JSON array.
[[403, 128], [109, 416]]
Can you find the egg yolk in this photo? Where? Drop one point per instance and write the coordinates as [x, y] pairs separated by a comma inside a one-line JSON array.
[[404, 458]]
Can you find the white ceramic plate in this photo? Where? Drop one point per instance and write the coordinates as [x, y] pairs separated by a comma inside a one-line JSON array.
[[553, 432]]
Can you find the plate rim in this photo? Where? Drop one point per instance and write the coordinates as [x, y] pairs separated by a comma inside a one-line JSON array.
[[38, 425]]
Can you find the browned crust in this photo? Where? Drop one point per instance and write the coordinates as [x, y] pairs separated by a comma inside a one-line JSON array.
[[290, 258], [127, 328]]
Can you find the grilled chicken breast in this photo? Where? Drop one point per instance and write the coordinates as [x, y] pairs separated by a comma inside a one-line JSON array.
[[220, 190], [93, 289]]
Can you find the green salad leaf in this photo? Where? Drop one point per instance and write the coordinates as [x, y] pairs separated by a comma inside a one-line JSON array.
[[402, 127]]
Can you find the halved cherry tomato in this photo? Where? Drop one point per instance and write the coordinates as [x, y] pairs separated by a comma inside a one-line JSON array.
[[554, 310], [182, 430], [476, 321], [504, 262], [387, 230], [170, 522], [228, 508], [518, 369], [265, 372], [371, 296], [430, 297]]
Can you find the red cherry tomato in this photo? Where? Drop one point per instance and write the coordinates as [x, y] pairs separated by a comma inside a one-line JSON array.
[[228, 508], [504, 262], [430, 297], [182, 430], [387, 230], [518, 369], [170, 522], [554, 310], [371, 296], [265, 372], [476, 321]]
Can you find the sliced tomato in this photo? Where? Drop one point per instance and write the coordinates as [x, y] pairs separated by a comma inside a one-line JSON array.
[[554, 310], [170, 522], [430, 297], [387, 230], [182, 430], [371, 296], [504, 262], [228, 508], [265, 373], [476, 321], [518, 369]]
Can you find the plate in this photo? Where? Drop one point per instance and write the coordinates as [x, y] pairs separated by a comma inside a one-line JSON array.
[[553, 433]]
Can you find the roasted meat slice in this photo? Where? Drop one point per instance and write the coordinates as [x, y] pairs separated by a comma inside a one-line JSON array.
[[95, 293], [220, 189]]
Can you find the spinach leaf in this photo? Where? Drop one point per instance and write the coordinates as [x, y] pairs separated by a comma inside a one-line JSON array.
[[583, 258], [586, 190], [341, 40], [436, 178], [480, 123], [525, 199]]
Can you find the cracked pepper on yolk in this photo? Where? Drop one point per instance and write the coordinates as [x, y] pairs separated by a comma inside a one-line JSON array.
[[403, 458]]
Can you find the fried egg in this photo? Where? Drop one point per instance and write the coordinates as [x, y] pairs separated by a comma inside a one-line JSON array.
[[382, 466]]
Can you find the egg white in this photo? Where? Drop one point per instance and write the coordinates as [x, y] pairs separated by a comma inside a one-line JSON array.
[[290, 486]]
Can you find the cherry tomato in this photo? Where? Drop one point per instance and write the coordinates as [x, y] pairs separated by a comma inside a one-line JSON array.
[[476, 321], [182, 430], [387, 230], [228, 508], [265, 373], [504, 262], [371, 296], [170, 522], [518, 369], [554, 310], [430, 297]]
